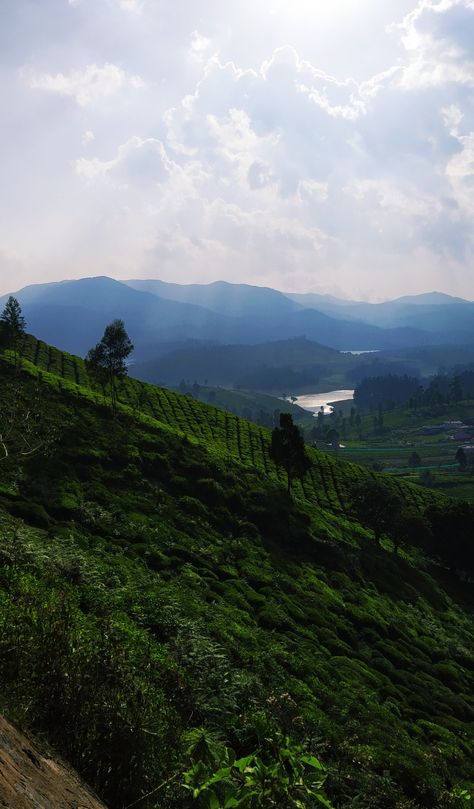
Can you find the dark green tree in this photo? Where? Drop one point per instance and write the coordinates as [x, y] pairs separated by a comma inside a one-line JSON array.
[[455, 389], [13, 325], [375, 504], [461, 458], [452, 527], [287, 449], [414, 459], [107, 361], [410, 528]]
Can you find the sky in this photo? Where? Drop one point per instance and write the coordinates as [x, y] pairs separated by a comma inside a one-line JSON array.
[[317, 145]]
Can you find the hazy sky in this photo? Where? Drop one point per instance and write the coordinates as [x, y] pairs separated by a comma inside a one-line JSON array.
[[306, 145]]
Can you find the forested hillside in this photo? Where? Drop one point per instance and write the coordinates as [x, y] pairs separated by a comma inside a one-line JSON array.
[[164, 601]]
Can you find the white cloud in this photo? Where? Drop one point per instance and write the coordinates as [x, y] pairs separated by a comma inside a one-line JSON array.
[[88, 137], [438, 36], [137, 163], [275, 166], [199, 46], [85, 86], [135, 6]]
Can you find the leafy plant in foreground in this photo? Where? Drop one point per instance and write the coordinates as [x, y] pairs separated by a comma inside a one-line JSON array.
[[283, 776]]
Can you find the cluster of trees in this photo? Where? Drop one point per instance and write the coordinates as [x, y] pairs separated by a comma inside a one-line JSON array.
[[335, 427], [390, 390], [444, 389], [445, 530], [387, 391]]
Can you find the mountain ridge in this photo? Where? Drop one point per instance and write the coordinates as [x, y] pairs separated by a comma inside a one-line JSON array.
[[154, 320]]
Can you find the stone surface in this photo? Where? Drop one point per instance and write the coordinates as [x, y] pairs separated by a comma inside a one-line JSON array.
[[31, 778]]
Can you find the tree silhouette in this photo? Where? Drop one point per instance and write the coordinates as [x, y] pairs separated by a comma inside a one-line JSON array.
[[461, 458], [107, 360], [13, 324], [287, 449], [414, 459]]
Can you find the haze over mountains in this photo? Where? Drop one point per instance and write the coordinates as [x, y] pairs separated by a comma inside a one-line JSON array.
[[433, 312], [161, 316]]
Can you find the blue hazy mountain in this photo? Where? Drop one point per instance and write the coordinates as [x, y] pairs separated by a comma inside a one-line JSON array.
[[73, 314], [235, 300], [448, 318]]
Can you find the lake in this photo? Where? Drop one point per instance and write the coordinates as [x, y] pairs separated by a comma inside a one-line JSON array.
[[314, 401], [365, 351]]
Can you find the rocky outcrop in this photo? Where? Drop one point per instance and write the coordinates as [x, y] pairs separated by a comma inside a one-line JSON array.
[[31, 778]]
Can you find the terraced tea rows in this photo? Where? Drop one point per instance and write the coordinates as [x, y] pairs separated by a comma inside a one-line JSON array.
[[222, 433]]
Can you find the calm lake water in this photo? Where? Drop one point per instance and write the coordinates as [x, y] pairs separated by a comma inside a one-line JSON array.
[[366, 351], [314, 401]]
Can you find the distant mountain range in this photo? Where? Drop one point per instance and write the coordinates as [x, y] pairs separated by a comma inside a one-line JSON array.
[[451, 319], [160, 316]]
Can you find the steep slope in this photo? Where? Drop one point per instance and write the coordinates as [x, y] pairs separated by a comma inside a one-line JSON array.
[[161, 580]]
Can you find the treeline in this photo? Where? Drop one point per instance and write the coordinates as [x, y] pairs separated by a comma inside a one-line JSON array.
[[443, 530], [445, 389], [391, 390]]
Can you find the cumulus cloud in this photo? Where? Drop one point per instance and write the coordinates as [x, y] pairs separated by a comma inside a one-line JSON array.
[[137, 163], [439, 37], [85, 86], [276, 170]]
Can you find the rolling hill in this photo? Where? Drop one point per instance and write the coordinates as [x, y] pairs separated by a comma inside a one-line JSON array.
[[284, 365], [156, 579]]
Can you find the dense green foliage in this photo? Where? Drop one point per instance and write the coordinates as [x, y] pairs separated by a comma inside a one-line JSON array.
[[155, 578]]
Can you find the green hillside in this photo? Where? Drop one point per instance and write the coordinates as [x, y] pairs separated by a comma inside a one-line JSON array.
[[156, 578]]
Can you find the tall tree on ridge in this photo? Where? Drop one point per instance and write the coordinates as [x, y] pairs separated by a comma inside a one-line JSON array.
[[107, 360], [13, 325], [287, 449]]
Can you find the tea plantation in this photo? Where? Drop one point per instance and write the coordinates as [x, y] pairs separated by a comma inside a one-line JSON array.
[[156, 579]]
